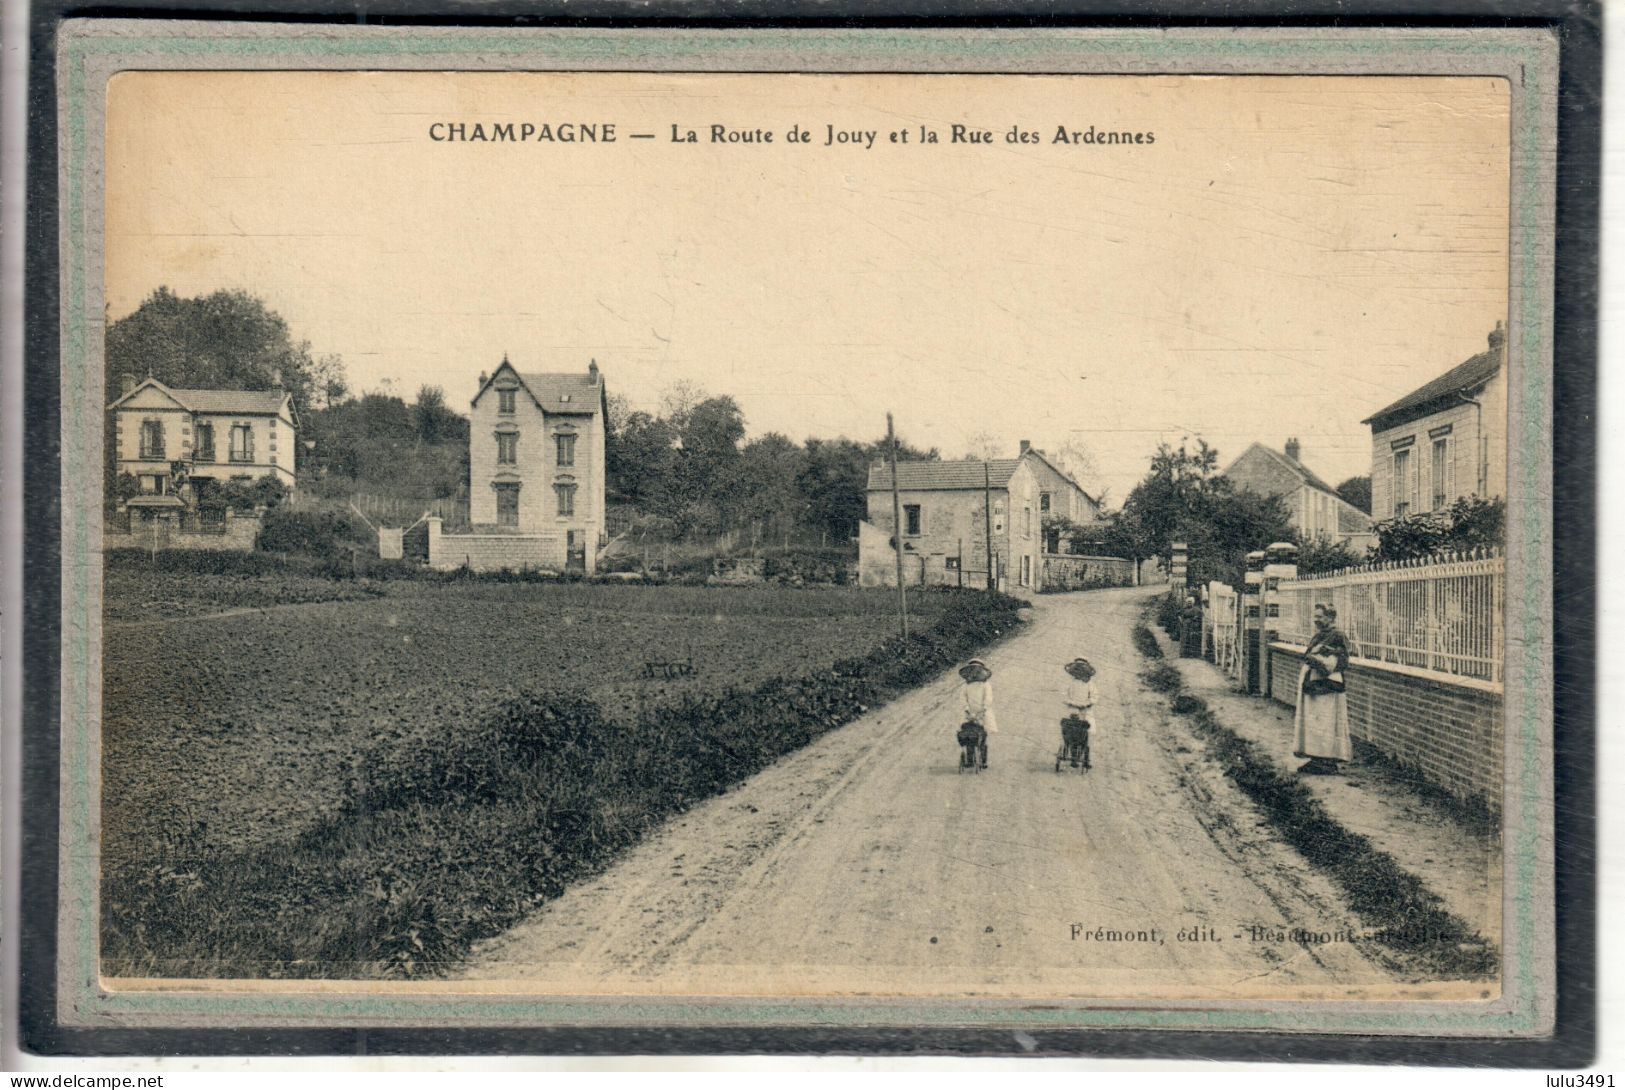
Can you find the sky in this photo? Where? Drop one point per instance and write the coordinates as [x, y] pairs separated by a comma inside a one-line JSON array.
[[1285, 256]]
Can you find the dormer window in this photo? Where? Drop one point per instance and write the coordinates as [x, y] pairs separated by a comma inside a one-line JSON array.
[[505, 401], [564, 397]]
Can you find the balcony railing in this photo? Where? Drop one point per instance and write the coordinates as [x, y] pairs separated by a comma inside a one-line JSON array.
[[242, 456], [152, 453], [204, 454]]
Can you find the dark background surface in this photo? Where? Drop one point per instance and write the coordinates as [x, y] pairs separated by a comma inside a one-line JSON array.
[[1574, 487]]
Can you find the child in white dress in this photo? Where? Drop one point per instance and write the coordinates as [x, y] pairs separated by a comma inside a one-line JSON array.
[[978, 696], [1080, 718]]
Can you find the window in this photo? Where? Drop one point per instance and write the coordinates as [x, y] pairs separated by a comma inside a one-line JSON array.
[[505, 401], [566, 445], [152, 440], [911, 519], [242, 443], [1402, 483], [1443, 475], [507, 504], [507, 448], [567, 499], [951, 563], [204, 451], [1026, 571], [152, 484], [1027, 522], [1043, 502]]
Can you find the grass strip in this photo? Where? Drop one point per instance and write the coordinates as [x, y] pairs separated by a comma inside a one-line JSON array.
[[448, 840], [1402, 913]]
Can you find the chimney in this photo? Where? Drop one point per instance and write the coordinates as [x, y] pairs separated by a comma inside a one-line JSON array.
[[1293, 449], [1498, 336], [1026, 446], [592, 370], [484, 378], [126, 383]]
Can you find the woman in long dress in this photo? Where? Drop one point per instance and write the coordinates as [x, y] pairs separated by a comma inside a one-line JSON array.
[[1320, 730]]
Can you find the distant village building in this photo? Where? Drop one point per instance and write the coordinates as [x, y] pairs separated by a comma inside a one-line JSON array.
[[536, 474], [945, 511], [1314, 508], [1443, 441], [166, 436]]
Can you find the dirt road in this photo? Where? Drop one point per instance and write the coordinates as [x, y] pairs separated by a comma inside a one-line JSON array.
[[868, 863]]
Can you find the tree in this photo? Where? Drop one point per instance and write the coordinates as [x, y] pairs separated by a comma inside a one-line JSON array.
[[765, 486], [1357, 492], [982, 447], [1183, 499], [640, 463], [433, 420], [329, 381], [834, 480], [229, 340], [1469, 523], [1319, 554]]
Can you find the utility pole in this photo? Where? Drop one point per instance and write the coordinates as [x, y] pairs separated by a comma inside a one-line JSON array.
[[987, 522], [897, 528]]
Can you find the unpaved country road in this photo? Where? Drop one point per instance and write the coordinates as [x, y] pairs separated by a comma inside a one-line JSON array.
[[866, 863]]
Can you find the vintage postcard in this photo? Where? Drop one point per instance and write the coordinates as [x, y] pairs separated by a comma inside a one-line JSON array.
[[1031, 529]]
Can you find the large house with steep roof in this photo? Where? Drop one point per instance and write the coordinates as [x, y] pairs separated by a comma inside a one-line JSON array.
[[164, 435], [946, 510], [1313, 506], [536, 471], [1444, 440]]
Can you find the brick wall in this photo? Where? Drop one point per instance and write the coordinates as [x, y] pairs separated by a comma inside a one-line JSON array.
[[1450, 734], [495, 552]]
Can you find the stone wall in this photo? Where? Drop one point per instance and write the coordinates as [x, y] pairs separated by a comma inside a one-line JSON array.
[[1063, 572], [236, 536], [497, 552]]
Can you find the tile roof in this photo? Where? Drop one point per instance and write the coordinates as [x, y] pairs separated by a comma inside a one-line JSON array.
[[1463, 377], [943, 476], [245, 402], [1305, 474], [563, 391]]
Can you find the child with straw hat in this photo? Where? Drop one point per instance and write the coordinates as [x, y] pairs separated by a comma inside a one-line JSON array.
[[978, 696]]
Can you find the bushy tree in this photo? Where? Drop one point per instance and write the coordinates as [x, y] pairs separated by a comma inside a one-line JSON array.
[[1319, 554], [1183, 498], [379, 443], [228, 340], [1469, 523]]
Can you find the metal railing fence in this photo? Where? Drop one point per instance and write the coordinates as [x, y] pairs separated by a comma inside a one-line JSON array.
[[1443, 614]]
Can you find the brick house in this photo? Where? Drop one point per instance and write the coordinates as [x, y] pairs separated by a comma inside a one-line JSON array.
[[163, 435], [1313, 506], [536, 473], [945, 506], [1444, 440]]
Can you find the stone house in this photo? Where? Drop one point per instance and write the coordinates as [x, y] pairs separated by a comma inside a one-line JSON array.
[[165, 435], [945, 511], [1444, 440], [1314, 507], [536, 473]]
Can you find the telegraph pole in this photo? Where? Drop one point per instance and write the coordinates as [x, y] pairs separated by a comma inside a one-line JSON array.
[[987, 522], [897, 528]]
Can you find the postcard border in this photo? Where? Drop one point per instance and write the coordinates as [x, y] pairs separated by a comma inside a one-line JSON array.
[[1534, 111]]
